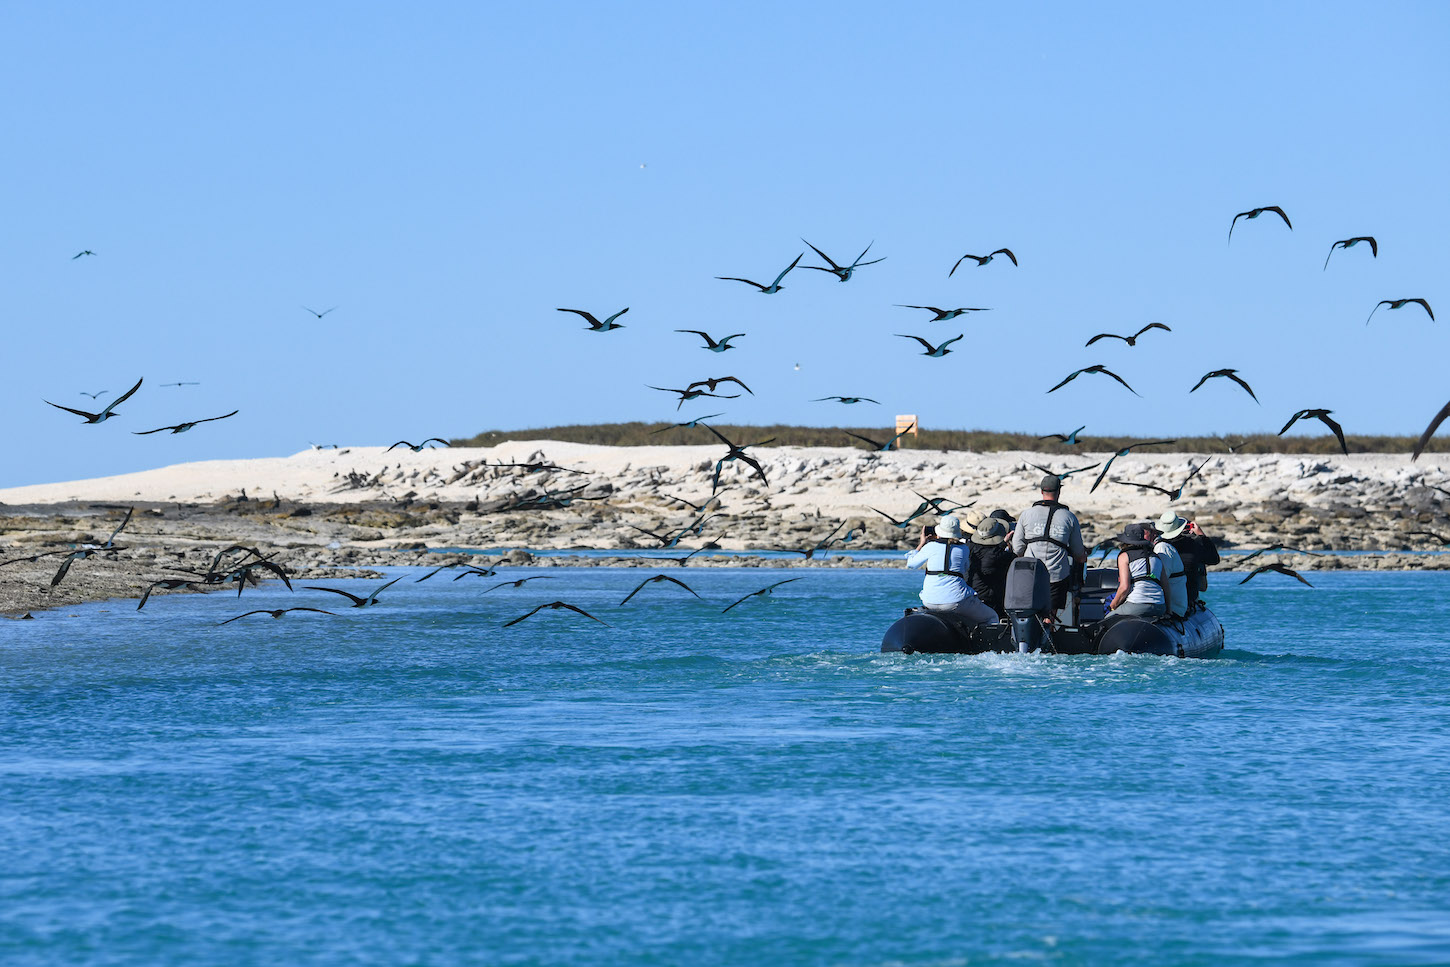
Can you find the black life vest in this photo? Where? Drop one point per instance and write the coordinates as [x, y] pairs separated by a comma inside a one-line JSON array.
[[1137, 552], [1046, 535], [946, 557]]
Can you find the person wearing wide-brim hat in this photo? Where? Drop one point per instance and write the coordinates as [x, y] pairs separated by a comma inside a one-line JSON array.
[[1194, 547], [1140, 574], [991, 559], [944, 555], [1175, 579]]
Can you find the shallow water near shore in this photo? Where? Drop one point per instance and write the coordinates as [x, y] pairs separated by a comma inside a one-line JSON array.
[[412, 782]]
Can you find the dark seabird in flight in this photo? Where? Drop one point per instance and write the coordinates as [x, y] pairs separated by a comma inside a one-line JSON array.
[[1066, 473], [1123, 453], [715, 346], [319, 314], [1323, 417], [105, 414], [1348, 243], [842, 272], [1130, 340], [1068, 438], [445, 567], [875, 445], [178, 384], [711, 384], [763, 591], [1173, 494], [771, 289], [930, 350], [556, 605], [80, 253], [982, 260], [520, 582], [1397, 303], [94, 395], [736, 453], [943, 315], [594, 324], [167, 584], [691, 393], [277, 613], [1278, 569], [1255, 213], [847, 399], [689, 423], [1272, 548], [658, 577], [183, 427], [1430, 431], [358, 602], [1103, 370], [1229, 374], [418, 447]]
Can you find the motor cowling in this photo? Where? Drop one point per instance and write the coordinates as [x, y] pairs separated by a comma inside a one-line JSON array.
[[1029, 593]]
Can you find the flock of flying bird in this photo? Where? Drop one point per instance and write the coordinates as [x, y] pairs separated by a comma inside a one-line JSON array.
[[241, 571]]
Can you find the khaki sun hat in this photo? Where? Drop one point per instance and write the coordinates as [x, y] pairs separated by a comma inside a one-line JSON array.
[[1170, 525], [972, 517], [990, 531]]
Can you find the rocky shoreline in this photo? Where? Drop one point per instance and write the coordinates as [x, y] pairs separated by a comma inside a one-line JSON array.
[[332, 513]]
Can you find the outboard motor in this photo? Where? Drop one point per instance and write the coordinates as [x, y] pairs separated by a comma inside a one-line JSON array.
[[1028, 593]]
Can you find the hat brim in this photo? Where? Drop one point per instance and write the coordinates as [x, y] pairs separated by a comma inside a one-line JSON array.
[[1173, 532], [989, 541]]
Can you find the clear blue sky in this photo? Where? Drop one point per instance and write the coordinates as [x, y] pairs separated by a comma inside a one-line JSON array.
[[448, 174]]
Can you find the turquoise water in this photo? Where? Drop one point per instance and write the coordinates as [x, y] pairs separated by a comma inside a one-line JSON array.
[[412, 783]]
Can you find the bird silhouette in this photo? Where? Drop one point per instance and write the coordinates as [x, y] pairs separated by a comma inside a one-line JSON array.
[[1323, 417], [105, 414], [691, 394], [736, 453], [1348, 243], [594, 324], [1066, 473], [520, 582], [357, 602], [166, 584], [877, 445], [1100, 369], [80, 253], [1123, 453], [847, 399], [276, 613], [1228, 374], [713, 345], [1278, 569], [943, 315], [982, 260], [653, 580], [1430, 431], [447, 567], [1068, 438], [94, 395], [930, 350], [775, 286], [1397, 303], [183, 427], [905, 522], [184, 383], [769, 589], [322, 313], [1173, 494], [1272, 548], [1255, 213], [689, 424], [712, 383], [1130, 340], [842, 272], [556, 606], [418, 447]]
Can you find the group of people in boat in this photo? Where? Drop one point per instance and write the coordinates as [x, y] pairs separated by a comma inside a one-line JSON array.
[[1162, 564]]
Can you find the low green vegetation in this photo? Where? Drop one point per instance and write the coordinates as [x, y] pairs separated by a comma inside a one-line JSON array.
[[980, 441]]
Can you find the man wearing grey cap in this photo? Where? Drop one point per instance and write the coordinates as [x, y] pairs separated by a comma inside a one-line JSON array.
[[1051, 533]]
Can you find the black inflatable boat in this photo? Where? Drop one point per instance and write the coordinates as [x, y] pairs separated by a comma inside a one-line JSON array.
[[1081, 629]]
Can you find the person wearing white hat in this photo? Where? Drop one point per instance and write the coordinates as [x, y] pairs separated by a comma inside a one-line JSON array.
[[945, 556], [1195, 548], [1175, 580]]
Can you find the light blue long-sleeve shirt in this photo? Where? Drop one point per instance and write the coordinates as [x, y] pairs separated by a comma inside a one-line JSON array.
[[942, 588]]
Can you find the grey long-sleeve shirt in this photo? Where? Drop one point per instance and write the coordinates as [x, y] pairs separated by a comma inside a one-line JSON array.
[[1032, 522]]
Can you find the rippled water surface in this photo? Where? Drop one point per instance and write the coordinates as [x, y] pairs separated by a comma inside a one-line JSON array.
[[412, 783]]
